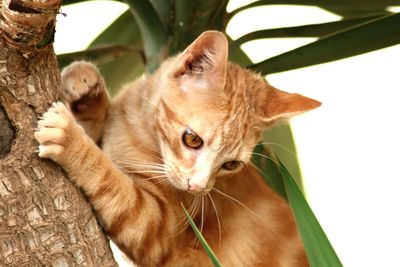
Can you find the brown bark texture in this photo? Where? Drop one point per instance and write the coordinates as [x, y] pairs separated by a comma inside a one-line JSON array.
[[44, 219]]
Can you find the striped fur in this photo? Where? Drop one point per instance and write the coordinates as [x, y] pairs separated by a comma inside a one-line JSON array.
[[144, 172]]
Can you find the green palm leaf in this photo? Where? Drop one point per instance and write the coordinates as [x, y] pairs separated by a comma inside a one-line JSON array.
[[320, 252], [123, 31], [99, 54], [375, 34], [312, 30], [163, 9], [266, 165], [154, 32], [365, 6]]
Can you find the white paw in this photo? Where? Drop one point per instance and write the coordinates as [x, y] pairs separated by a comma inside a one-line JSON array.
[[55, 132]]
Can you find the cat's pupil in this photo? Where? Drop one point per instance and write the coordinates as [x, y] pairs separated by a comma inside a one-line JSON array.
[[231, 165], [191, 139]]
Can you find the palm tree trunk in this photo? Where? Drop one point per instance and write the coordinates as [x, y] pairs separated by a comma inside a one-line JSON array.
[[44, 219]]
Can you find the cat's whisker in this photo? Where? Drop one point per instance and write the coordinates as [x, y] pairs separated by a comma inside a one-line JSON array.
[[153, 148], [218, 221], [218, 151], [154, 177], [138, 161], [138, 168], [221, 148], [238, 202], [147, 100], [202, 220], [258, 169], [145, 171], [149, 171], [230, 150], [261, 171], [183, 216], [192, 210], [133, 160], [265, 156], [158, 179], [149, 166], [163, 182], [195, 210], [143, 163], [278, 145]]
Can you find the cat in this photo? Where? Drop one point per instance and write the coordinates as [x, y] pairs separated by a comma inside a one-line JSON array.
[[181, 136]]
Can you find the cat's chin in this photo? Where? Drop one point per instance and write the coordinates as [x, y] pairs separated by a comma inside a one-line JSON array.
[[199, 193]]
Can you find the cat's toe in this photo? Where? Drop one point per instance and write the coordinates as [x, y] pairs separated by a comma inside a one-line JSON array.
[[81, 79], [51, 142], [52, 151], [58, 116], [45, 135]]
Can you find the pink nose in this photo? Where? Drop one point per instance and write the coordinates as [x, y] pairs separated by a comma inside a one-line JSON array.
[[195, 187]]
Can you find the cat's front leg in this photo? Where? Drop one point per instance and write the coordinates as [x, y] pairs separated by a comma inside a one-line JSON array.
[[135, 215], [87, 97]]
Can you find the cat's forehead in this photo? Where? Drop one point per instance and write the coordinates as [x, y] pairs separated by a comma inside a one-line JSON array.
[[227, 126]]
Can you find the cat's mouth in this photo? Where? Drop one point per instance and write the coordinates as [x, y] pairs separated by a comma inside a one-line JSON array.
[[197, 190], [187, 187]]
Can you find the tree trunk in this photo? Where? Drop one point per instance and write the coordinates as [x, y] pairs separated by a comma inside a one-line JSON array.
[[44, 219]]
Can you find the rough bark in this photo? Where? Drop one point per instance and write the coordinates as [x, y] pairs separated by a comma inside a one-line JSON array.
[[44, 219]]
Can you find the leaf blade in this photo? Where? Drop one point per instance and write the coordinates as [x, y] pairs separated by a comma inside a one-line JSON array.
[[269, 170], [98, 54], [372, 35], [320, 252], [364, 5], [163, 9], [310, 30], [203, 242], [153, 30], [123, 31]]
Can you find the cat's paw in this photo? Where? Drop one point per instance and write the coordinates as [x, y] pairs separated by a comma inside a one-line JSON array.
[[57, 131], [84, 89]]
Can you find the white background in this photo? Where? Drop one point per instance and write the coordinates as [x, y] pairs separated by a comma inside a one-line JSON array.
[[348, 148]]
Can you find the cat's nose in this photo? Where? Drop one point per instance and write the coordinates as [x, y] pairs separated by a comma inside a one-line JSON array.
[[192, 186]]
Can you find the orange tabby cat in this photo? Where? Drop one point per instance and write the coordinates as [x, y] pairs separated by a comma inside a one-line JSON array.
[[182, 135]]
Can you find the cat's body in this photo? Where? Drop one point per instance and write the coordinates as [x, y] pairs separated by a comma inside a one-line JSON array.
[[182, 136]]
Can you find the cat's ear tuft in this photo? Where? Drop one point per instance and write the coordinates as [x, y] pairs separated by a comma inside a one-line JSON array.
[[206, 58], [280, 104]]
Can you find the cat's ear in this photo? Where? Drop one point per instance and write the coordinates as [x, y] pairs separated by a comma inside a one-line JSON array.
[[204, 61], [280, 104]]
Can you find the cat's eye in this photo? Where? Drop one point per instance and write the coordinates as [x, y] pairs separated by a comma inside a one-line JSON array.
[[191, 139], [231, 165]]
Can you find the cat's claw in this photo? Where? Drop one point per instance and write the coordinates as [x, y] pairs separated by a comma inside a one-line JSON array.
[[55, 131]]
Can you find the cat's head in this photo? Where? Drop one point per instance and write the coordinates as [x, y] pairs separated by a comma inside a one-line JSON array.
[[212, 113]]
